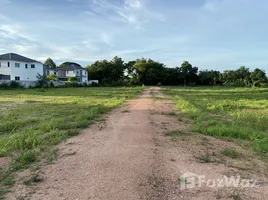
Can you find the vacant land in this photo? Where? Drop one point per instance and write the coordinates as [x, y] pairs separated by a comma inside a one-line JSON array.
[[143, 149], [232, 113], [31, 120]]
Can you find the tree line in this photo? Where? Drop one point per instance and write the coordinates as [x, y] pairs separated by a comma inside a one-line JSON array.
[[150, 72]]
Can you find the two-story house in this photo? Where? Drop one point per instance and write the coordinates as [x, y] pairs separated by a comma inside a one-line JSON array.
[[19, 68], [71, 70]]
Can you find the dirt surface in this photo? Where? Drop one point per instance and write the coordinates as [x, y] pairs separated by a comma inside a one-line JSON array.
[[130, 156]]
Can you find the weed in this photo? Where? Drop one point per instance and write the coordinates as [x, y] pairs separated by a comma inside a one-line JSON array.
[[206, 158], [236, 197], [171, 113], [230, 152], [36, 178], [176, 133]]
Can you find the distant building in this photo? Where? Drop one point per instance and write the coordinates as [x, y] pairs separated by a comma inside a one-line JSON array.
[[71, 70], [19, 68]]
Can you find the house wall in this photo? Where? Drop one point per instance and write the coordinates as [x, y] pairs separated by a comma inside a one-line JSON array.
[[4, 69], [77, 73], [51, 71], [28, 74]]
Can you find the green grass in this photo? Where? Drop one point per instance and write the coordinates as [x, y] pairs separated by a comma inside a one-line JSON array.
[[230, 152], [33, 120], [237, 113]]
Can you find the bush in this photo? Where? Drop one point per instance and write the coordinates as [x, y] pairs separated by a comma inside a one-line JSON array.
[[52, 77], [73, 79], [12, 84], [15, 84], [51, 84], [42, 81], [93, 84], [4, 86]]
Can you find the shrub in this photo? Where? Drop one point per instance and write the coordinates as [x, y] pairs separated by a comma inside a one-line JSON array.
[[52, 77], [15, 84], [42, 81], [73, 79], [94, 84], [4, 86], [230, 152], [51, 84]]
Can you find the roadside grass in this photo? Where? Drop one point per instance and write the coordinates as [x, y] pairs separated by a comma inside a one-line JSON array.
[[230, 113], [33, 120]]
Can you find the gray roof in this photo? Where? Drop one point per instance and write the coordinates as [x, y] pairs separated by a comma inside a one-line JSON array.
[[16, 57], [71, 67]]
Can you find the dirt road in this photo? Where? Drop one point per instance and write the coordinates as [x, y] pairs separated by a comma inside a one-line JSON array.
[[128, 157]]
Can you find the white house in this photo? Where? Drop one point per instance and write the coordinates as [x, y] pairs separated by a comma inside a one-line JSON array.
[[71, 70], [19, 68]]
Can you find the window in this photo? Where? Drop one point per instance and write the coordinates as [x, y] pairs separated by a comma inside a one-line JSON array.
[[85, 73], [17, 65], [8, 64], [77, 72], [26, 66], [0, 64], [32, 66], [55, 73], [17, 78]]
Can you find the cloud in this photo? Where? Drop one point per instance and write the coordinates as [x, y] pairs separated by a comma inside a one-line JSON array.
[[133, 4]]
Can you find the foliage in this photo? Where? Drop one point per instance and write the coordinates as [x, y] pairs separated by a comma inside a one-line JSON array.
[[148, 71], [232, 113], [209, 77], [72, 79], [52, 77], [107, 71], [50, 63], [189, 72], [68, 63], [12, 84], [42, 81], [258, 77]]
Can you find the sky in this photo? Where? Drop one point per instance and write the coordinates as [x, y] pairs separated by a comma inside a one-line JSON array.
[[211, 34]]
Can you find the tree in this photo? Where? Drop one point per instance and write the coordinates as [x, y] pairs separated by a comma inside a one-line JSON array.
[[186, 68], [258, 77], [52, 77], [42, 81], [107, 72], [207, 77], [68, 63], [149, 72], [50, 63]]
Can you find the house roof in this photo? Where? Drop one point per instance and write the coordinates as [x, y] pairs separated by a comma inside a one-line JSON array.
[[71, 67], [16, 57]]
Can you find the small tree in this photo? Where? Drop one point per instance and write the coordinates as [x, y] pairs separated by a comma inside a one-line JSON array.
[[73, 79], [41, 80], [52, 77], [49, 62]]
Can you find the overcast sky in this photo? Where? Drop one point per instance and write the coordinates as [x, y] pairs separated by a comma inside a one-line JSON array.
[[211, 34]]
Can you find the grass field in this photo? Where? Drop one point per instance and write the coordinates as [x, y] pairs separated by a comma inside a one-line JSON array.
[[232, 113], [33, 120]]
